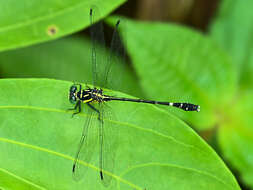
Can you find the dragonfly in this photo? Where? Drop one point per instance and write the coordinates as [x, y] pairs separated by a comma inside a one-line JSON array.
[[96, 130]]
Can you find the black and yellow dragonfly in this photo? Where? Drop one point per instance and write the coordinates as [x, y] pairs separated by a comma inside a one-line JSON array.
[[95, 130]]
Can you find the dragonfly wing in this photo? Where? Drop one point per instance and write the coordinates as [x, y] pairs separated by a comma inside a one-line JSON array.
[[108, 146], [86, 147], [97, 45], [104, 65], [116, 58]]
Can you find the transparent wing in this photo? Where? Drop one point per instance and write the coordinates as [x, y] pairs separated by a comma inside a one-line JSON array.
[[114, 63], [97, 45], [102, 65], [87, 145], [108, 145]]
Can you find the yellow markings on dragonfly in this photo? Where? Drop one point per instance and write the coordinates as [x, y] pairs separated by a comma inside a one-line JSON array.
[[100, 95], [85, 95], [89, 100]]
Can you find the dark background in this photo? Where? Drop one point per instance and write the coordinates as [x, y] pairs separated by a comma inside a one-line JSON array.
[[193, 13]]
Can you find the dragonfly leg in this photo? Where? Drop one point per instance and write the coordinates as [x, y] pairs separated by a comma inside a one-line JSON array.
[[95, 109], [78, 105]]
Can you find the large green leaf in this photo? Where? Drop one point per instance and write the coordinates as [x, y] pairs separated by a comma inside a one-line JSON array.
[[29, 21], [175, 63], [38, 140], [233, 30]]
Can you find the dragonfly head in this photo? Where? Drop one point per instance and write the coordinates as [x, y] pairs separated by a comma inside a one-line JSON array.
[[73, 94]]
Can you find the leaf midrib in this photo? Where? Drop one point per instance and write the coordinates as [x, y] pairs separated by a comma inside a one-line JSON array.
[[113, 121], [119, 178], [63, 156], [89, 165]]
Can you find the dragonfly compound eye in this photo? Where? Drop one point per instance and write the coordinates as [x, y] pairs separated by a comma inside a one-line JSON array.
[[73, 89], [72, 98], [72, 94]]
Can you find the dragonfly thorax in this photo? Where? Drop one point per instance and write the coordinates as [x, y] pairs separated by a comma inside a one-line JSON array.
[[85, 95], [96, 94]]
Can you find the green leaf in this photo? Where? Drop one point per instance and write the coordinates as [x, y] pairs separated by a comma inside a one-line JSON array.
[[233, 30], [178, 64], [38, 140], [236, 136], [66, 59], [30, 22]]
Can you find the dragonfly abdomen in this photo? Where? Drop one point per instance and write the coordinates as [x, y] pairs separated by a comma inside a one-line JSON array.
[[183, 106]]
